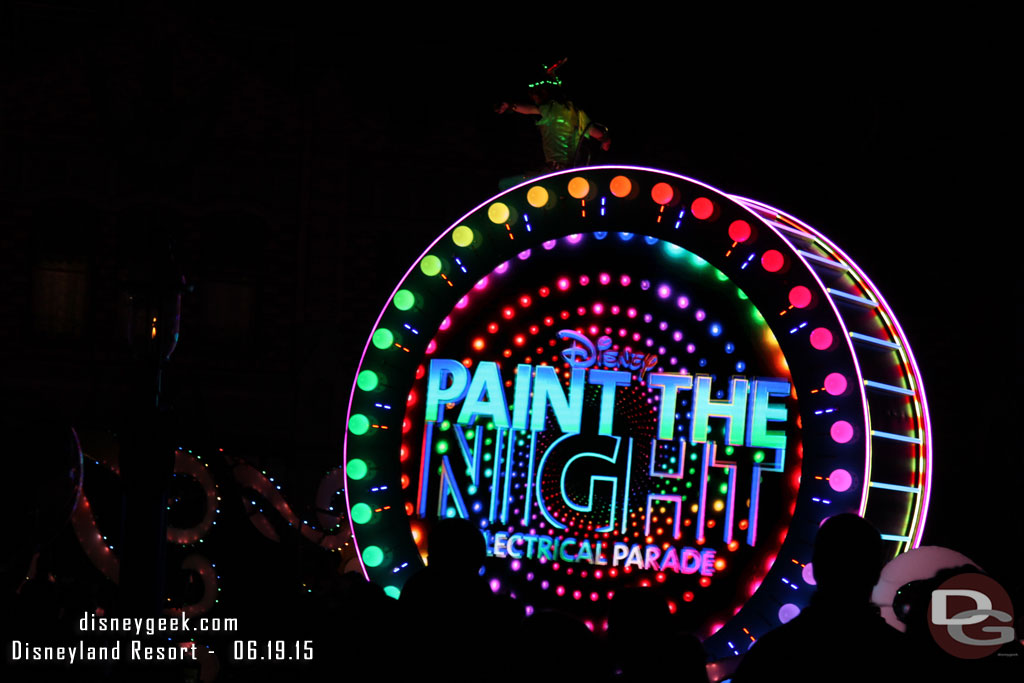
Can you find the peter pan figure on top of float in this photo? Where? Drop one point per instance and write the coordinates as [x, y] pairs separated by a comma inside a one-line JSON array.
[[564, 128]]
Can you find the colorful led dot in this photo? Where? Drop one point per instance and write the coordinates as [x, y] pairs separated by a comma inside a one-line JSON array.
[[356, 469], [840, 480], [430, 265], [358, 424], [739, 231], [383, 339], [361, 513], [702, 208], [579, 188], [621, 186], [367, 380], [392, 591], [462, 236], [841, 431], [404, 299], [835, 383], [808, 574], [662, 193], [537, 197], [821, 338], [800, 296], [498, 213], [788, 612], [772, 260], [372, 556]]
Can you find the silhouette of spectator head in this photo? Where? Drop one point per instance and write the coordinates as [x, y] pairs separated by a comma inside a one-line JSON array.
[[636, 615], [539, 631], [847, 557], [455, 545], [911, 602], [639, 624]]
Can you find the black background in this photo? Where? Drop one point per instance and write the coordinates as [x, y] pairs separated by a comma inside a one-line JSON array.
[[338, 145]]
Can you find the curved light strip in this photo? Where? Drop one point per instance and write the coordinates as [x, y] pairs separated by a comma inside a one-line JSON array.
[[924, 469], [758, 208]]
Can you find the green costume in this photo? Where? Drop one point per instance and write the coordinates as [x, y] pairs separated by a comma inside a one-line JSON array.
[[562, 127]]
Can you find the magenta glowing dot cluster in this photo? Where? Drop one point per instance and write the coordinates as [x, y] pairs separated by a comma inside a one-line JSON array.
[[626, 378]]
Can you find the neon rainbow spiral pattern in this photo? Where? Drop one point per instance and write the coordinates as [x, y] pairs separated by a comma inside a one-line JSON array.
[[667, 268]]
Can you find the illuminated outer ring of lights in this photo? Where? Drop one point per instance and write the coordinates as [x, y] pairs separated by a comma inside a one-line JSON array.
[[865, 437]]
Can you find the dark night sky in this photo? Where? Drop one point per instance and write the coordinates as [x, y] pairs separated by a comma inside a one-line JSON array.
[[879, 137]]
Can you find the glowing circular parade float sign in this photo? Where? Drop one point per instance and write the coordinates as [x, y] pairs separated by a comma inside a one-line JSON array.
[[625, 378]]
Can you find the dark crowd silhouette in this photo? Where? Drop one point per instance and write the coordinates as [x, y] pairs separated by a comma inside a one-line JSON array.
[[448, 623]]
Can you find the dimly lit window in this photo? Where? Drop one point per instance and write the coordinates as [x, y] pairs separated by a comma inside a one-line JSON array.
[[227, 311], [59, 290]]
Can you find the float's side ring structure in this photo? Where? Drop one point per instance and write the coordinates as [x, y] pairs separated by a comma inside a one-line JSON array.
[[895, 498]]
